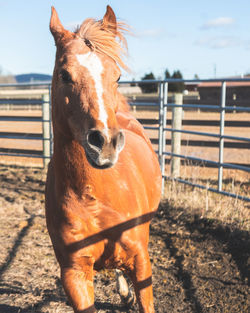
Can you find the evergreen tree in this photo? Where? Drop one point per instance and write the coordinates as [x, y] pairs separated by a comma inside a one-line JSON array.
[[175, 87], [167, 74], [148, 88]]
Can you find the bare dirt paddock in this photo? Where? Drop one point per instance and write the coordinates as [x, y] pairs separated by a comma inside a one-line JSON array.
[[199, 264]]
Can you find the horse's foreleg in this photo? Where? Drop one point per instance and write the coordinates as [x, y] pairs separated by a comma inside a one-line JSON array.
[[78, 285], [142, 280]]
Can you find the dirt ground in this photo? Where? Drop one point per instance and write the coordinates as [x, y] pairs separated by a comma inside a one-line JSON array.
[[199, 265]]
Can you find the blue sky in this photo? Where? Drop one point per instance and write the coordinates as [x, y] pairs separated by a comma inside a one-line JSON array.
[[195, 36]]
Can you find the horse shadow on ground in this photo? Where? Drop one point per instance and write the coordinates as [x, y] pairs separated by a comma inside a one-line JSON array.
[[55, 296], [182, 275], [234, 241], [18, 241], [229, 238], [9, 308], [49, 295]]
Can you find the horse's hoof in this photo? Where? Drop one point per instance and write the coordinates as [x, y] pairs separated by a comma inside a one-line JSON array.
[[126, 293]]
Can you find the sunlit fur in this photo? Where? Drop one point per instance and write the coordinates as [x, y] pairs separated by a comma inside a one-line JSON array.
[[105, 41]]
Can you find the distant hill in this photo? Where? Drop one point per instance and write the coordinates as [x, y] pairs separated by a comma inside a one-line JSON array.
[[32, 77]]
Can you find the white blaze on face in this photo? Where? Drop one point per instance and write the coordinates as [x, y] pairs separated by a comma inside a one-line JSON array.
[[94, 65]]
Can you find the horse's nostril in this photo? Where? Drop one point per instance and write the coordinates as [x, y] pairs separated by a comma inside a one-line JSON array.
[[117, 139], [114, 141], [96, 139]]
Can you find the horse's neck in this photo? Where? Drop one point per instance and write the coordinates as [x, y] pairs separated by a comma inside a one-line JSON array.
[[69, 163], [123, 105]]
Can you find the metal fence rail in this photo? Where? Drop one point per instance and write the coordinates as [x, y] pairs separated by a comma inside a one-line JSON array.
[[222, 108], [162, 106], [45, 119]]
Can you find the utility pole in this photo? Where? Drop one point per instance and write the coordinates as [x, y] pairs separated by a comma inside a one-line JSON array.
[[214, 70]]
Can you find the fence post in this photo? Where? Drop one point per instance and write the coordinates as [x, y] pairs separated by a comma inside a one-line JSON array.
[[46, 129], [163, 138], [221, 144], [160, 122], [161, 127], [50, 124], [176, 136]]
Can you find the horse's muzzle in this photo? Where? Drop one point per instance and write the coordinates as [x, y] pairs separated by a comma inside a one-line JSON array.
[[102, 150]]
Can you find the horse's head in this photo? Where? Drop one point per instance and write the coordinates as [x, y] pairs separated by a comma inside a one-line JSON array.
[[84, 89]]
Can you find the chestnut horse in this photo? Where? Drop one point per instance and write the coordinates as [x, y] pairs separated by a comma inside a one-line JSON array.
[[103, 181]]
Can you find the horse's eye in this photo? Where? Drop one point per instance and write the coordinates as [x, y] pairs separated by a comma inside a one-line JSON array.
[[66, 77]]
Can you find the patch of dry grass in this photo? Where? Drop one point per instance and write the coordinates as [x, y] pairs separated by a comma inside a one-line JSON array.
[[211, 205]]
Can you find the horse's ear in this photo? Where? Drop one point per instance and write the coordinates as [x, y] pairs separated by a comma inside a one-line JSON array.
[[56, 27], [109, 21]]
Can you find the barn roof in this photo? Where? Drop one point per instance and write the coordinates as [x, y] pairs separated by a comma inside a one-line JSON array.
[[229, 84]]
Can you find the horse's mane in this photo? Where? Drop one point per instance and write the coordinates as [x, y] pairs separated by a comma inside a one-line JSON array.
[[103, 39]]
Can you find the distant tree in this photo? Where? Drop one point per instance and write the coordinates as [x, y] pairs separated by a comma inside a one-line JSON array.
[[167, 74], [196, 76], [176, 87], [148, 88]]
